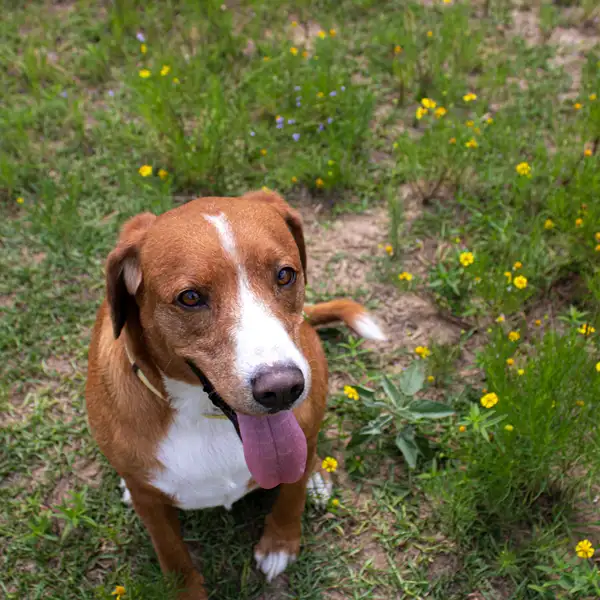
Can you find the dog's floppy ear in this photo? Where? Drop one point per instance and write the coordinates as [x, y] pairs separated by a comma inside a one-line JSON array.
[[290, 216], [123, 271]]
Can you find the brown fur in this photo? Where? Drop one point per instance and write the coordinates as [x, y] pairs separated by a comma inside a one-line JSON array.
[[154, 259]]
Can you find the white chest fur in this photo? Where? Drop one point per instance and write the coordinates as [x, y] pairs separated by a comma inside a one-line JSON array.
[[203, 458]]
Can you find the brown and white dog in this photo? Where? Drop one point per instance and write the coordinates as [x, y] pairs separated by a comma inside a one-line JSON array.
[[206, 379]]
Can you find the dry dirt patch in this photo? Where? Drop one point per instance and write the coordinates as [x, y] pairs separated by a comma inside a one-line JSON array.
[[341, 262]]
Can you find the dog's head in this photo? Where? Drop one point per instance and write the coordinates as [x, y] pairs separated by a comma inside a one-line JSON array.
[[219, 282]]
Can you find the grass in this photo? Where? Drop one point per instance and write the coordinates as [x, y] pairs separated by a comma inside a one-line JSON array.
[[331, 104]]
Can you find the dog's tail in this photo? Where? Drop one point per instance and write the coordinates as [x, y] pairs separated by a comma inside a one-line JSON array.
[[350, 313]]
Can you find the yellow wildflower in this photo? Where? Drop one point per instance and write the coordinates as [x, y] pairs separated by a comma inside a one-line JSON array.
[[330, 464], [404, 276], [320, 94], [523, 169], [430, 378], [294, 179], [470, 97], [335, 503], [143, 48], [422, 351], [145, 170], [462, 428], [119, 591], [389, 249], [587, 152], [586, 329], [319, 182], [351, 392], [166, 69], [577, 106], [508, 276], [514, 336], [447, 1], [421, 112], [294, 23], [20, 200], [597, 236], [176, 80], [466, 259], [430, 34], [510, 362], [580, 403], [144, 73], [598, 367], [518, 265], [322, 34], [470, 123], [332, 32], [452, 140], [305, 54], [584, 549], [538, 323], [508, 427], [578, 222], [548, 224], [397, 49], [294, 50], [489, 400], [163, 174], [428, 103], [593, 97], [472, 143], [520, 282], [489, 121], [520, 371], [597, 248], [264, 188], [440, 112], [264, 151], [266, 58], [500, 319]]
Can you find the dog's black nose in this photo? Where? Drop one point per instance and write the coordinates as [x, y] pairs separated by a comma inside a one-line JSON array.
[[278, 387]]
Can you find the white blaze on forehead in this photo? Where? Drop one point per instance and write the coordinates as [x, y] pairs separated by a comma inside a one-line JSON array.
[[225, 234], [260, 338]]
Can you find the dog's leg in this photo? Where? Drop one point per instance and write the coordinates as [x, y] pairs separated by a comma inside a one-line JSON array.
[[162, 522], [280, 542]]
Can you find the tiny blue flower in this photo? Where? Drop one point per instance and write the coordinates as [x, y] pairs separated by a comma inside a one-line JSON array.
[[296, 136], [332, 94], [279, 119], [111, 93], [291, 121], [279, 125], [321, 127], [330, 120], [343, 88], [252, 133], [140, 37], [298, 104], [64, 94], [297, 88]]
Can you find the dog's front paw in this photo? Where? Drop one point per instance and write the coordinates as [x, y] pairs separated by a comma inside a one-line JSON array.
[[319, 488], [273, 556]]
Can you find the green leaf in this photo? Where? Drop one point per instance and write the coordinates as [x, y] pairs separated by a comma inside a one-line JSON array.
[[405, 442], [411, 380], [392, 392], [428, 409], [364, 392], [358, 438]]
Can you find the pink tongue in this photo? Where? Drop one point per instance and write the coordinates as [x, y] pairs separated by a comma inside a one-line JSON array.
[[274, 448]]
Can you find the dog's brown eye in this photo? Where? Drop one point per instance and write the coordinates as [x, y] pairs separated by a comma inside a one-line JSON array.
[[286, 276], [191, 299]]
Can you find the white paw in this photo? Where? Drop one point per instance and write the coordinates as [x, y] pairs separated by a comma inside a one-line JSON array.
[[126, 495], [274, 563], [319, 489]]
